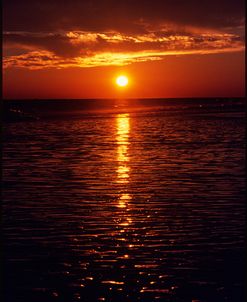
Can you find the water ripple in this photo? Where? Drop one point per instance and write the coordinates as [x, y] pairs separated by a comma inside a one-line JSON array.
[[124, 208]]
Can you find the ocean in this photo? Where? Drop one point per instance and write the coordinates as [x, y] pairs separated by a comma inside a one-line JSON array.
[[124, 200]]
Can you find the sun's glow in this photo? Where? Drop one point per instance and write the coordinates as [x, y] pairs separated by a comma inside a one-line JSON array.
[[122, 81]]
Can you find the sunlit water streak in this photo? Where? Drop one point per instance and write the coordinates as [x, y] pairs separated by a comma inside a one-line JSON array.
[[124, 208], [122, 137]]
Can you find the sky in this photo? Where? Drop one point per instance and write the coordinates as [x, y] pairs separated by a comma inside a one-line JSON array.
[[167, 48]]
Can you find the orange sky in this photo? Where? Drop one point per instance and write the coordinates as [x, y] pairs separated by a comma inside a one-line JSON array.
[[165, 52], [200, 75]]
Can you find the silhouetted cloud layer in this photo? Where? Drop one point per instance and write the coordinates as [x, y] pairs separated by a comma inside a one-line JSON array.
[[124, 16], [39, 34]]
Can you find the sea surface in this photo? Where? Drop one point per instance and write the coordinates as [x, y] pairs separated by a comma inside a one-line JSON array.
[[124, 201]]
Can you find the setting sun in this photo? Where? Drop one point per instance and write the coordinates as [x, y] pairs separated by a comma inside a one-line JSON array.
[[122, 81]]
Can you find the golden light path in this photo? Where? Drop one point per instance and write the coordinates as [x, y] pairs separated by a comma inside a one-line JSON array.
[[122, 138], [122, 150]]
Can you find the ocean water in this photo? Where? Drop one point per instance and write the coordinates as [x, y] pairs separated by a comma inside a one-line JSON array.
[[124, 201]]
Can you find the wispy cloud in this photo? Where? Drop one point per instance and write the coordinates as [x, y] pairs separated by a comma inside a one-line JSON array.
[[88, 49]]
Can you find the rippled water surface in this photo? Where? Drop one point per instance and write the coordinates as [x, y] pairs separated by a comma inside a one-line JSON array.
[[124, 207]]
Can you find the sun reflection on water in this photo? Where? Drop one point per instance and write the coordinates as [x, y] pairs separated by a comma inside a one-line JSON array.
[[122, 138], [123, 169], [123, 200]]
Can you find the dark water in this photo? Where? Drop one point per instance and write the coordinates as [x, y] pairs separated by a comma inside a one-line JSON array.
[[127, 206]]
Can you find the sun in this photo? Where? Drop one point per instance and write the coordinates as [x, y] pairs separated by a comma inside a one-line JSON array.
[[122, 81]]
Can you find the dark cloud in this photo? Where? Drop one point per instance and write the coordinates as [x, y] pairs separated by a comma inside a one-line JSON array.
[[90, 33], [124, 16], [81, 44], [57, 43]]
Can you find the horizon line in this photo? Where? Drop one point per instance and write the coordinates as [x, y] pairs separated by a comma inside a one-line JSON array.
[[130, 98]]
